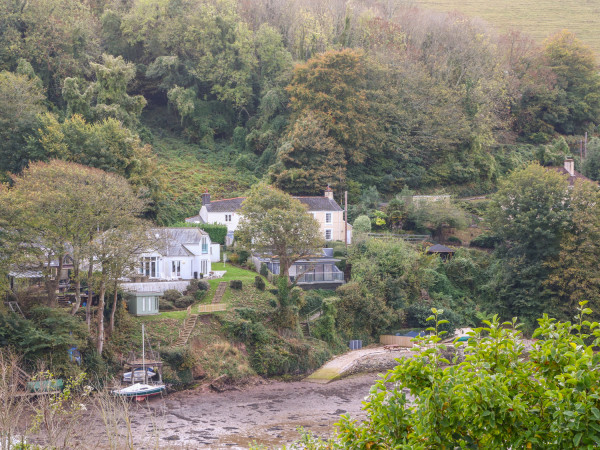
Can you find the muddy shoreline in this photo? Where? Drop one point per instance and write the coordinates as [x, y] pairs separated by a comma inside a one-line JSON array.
[[268, 414]]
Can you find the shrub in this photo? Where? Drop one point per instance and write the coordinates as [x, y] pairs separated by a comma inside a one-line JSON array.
[[216, 232], [243, 256], [171, 295], [234, 258], [165, 305], [199, 295], [502, 396], [259, 283], [184, 302], [235, 284], [264, 270], [454, 240], [486, 241], [362, 224], [203, 285], [418, 313]]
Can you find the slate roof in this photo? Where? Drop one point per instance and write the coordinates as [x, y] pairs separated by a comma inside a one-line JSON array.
[[320, 203], [313, 204], [194, 219], [576, 175], [225, 205], [178, 241], [438, 248]]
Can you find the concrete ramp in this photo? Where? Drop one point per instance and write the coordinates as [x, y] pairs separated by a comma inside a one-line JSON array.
[[341, 365]]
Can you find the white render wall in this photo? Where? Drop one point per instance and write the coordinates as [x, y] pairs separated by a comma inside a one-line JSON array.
[[215, 252], [219, 217]]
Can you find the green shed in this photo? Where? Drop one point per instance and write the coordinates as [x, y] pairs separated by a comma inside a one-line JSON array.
[[143, 303]]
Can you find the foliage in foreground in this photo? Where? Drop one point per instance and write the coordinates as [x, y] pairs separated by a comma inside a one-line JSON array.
[[496, 398]]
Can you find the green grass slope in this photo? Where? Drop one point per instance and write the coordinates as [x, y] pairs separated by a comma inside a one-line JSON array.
[[538, 18]]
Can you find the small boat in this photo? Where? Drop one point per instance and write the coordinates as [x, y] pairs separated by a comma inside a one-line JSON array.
[[140, 391], [138, 375]]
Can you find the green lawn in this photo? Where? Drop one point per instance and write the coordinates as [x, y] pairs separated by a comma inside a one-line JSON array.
[[538, 18]]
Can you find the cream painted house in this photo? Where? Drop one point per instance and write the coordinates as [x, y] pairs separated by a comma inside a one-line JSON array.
[[325, 210]]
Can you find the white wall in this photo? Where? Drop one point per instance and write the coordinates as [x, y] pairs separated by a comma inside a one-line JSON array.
[[219, 217], [215, 252]]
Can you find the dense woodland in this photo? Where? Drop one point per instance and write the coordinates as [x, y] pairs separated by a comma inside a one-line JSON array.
[[301, 93]]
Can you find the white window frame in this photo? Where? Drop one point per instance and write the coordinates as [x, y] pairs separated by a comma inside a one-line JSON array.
[[227, 217], [176, 268], [328, 218], [330, 231]]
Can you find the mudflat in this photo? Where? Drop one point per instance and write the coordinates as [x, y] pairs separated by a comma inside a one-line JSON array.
[[267, 414]]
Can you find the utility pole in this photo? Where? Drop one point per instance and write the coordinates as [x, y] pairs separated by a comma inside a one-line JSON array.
[[346, 220], [585, 146], [581, 150]]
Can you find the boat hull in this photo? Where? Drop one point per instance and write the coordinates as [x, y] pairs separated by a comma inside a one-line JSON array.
[[139, 392]]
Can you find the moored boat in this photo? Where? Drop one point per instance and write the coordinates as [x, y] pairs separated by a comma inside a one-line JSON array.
[[140, 391]]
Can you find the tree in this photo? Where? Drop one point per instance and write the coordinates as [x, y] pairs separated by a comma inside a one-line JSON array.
[[591, 163], [58, 37], [309, 159], [530, 212], [275, 224], [106, 145], [107, 96], [64, 208], [333, 86], [362, 224], [575, 68], [575, 276], [21, 100]]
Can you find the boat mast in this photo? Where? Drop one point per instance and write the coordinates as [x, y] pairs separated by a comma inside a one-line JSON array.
[[143, 356]]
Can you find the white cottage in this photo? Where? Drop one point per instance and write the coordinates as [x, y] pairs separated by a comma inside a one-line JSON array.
[[180, 254], [323, 208]]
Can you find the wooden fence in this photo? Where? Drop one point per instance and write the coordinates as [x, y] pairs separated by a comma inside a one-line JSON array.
[[402, 341], [214, 307], [404, 237]]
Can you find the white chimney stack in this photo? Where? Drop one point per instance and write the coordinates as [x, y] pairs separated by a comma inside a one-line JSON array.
[[329, 192], [570, 166]]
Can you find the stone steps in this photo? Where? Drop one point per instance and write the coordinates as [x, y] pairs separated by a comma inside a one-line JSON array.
[[186, 331], [221, 288]]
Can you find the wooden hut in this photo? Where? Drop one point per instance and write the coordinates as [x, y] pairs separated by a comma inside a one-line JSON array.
[[444, 252], [143, 303]]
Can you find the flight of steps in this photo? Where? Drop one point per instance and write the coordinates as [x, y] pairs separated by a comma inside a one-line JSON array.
[[186, 331], [305, 329], [220, 292]]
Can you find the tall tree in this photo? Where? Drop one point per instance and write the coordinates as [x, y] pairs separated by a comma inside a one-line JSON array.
[[530, 212], [21, 100], [577, 77], [275, 224], [107, 96], [309, 159], [575, 276]]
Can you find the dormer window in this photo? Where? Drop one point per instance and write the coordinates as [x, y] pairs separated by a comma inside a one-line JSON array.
[[327, 217]]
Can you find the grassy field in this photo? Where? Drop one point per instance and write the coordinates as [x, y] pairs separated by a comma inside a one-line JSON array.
[[538, 18]]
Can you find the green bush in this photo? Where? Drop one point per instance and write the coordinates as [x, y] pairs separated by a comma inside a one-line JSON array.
[[264, 270], [184, 302], [243, 256], [171, 295], [199, 295], [454, 240], [362, 224], [165, 305], [203, 285], [503, 395], [486, 241], [259, 283], [235, 284], [418, 313], [216, 232]]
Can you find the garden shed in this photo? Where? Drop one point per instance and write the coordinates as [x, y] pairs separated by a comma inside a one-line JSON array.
[[143, 303]]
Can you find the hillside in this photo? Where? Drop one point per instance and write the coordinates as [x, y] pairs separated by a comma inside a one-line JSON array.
[[538, 18]]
